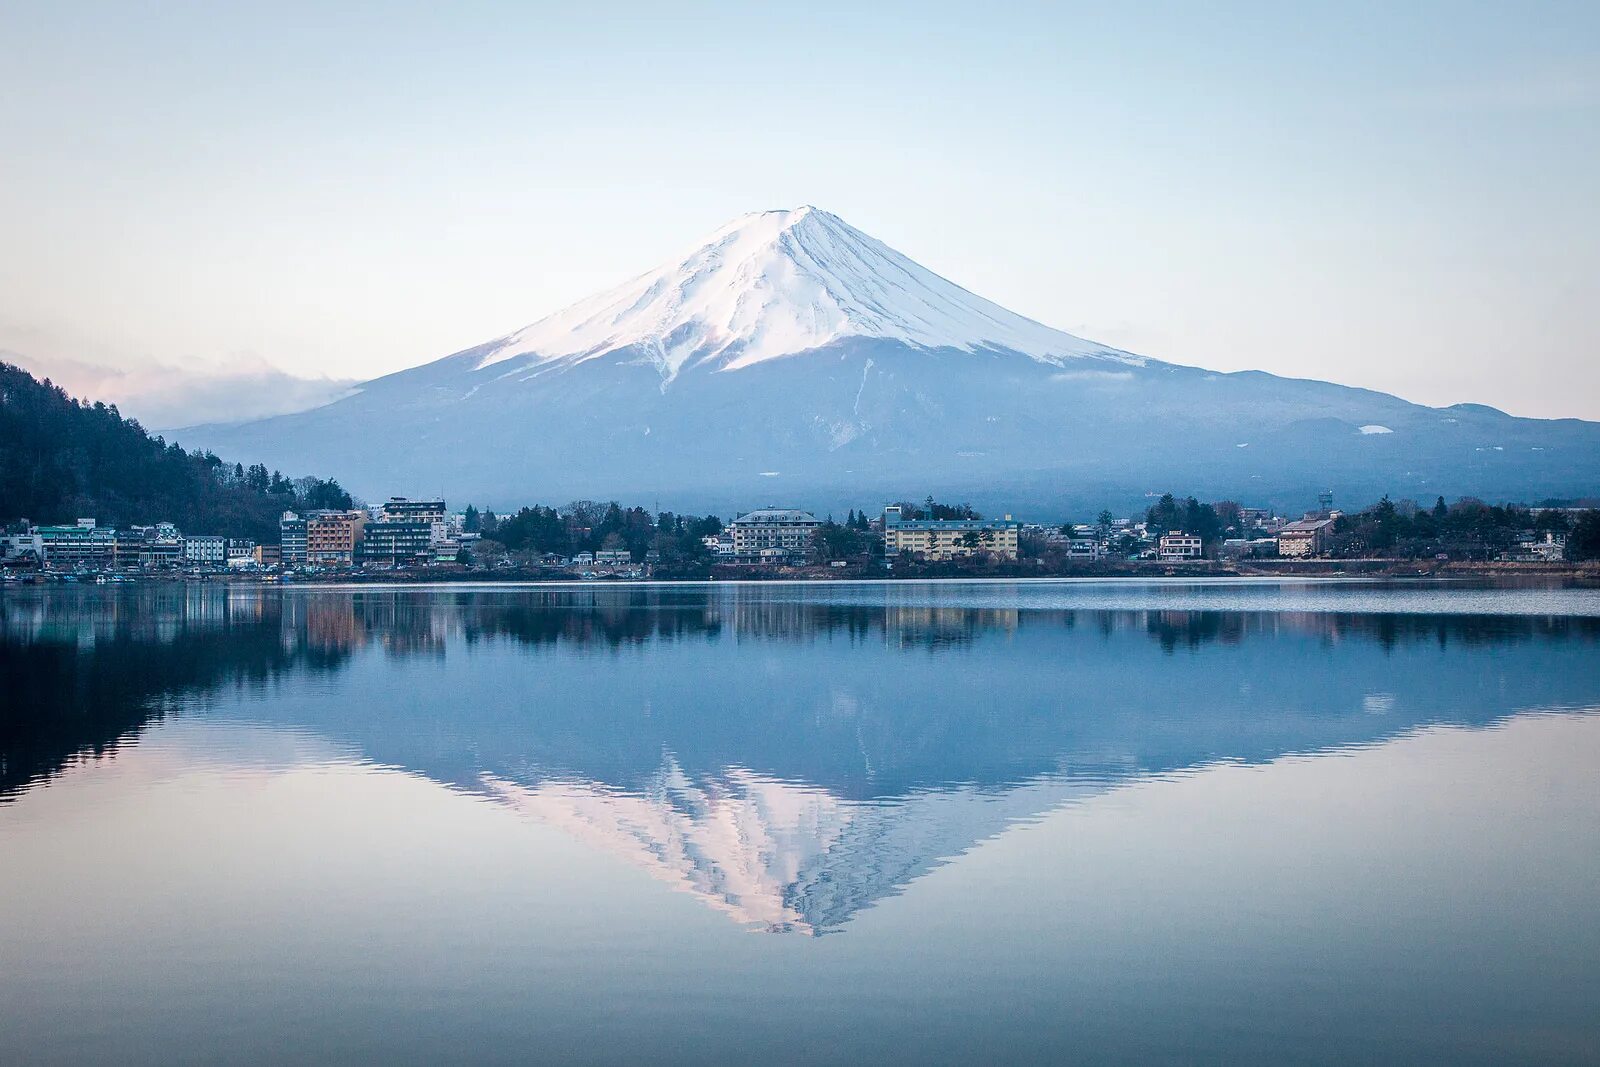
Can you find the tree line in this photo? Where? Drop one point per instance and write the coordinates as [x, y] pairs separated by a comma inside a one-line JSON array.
[[62, 458], [1468, 529], [1465, 529], [593, 526], [675, 542]]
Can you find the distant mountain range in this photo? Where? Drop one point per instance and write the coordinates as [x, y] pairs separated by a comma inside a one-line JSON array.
[[790, 357]]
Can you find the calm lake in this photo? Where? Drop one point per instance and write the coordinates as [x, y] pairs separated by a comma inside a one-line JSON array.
[[1091, 822]]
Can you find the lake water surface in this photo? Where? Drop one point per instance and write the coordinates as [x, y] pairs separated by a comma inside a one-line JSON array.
[[1092, 822]]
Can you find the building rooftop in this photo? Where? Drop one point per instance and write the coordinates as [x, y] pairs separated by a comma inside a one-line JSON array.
[[778, 515], [955, 524]]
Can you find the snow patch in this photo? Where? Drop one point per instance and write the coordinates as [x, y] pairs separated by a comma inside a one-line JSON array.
[[865, 370], [839, 432], [1093, 376], [1372, 428]]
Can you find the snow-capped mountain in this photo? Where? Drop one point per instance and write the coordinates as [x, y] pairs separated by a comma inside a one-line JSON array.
[[776, 283], [792, 357]]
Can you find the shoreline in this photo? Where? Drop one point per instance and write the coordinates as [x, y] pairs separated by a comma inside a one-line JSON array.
[[1206, 571]]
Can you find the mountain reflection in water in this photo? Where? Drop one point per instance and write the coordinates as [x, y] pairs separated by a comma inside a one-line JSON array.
[[788, 756]]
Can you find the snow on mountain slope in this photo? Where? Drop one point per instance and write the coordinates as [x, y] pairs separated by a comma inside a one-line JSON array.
[[774, 283], [792, 358]]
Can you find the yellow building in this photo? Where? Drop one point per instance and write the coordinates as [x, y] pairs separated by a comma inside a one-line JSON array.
[[942, 539]]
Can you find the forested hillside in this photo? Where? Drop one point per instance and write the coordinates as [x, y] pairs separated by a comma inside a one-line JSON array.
[[62, 458]]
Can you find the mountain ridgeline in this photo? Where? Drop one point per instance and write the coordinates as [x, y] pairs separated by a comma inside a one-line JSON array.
[[62, 458], [790, 357]]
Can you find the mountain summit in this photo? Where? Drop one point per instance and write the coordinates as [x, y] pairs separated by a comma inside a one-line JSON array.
[[774, 283], [792, 357]]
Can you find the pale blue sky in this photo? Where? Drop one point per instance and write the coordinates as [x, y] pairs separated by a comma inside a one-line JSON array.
[[1395, 196]]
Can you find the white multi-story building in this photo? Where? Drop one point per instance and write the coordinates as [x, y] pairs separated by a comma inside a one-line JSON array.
[[1552, 549], [771, 533], [83, 544], [292, 539], [720, 544], [1086, 550], [403, 509], [204, 550], [22, 547], [1177, 545]]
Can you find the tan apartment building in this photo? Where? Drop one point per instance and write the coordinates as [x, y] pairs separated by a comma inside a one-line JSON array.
[[332, 537], [942, 539], [1308, 537]]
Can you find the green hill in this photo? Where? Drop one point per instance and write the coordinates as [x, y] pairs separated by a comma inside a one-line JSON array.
[[61, 458]]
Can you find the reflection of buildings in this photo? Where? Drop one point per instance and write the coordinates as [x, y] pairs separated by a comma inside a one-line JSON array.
[[160, 614], [324, 622], [824, 753], [342, 621], [84, 670]]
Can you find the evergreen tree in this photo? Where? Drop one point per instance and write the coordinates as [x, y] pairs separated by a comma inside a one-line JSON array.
[[62, 458], [1163, 516], [1583, 543]]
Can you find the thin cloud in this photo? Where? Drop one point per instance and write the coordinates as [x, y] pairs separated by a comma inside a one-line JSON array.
[[164, 397]]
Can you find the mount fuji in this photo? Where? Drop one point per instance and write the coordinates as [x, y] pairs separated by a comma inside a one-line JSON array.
[[791, 357]]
